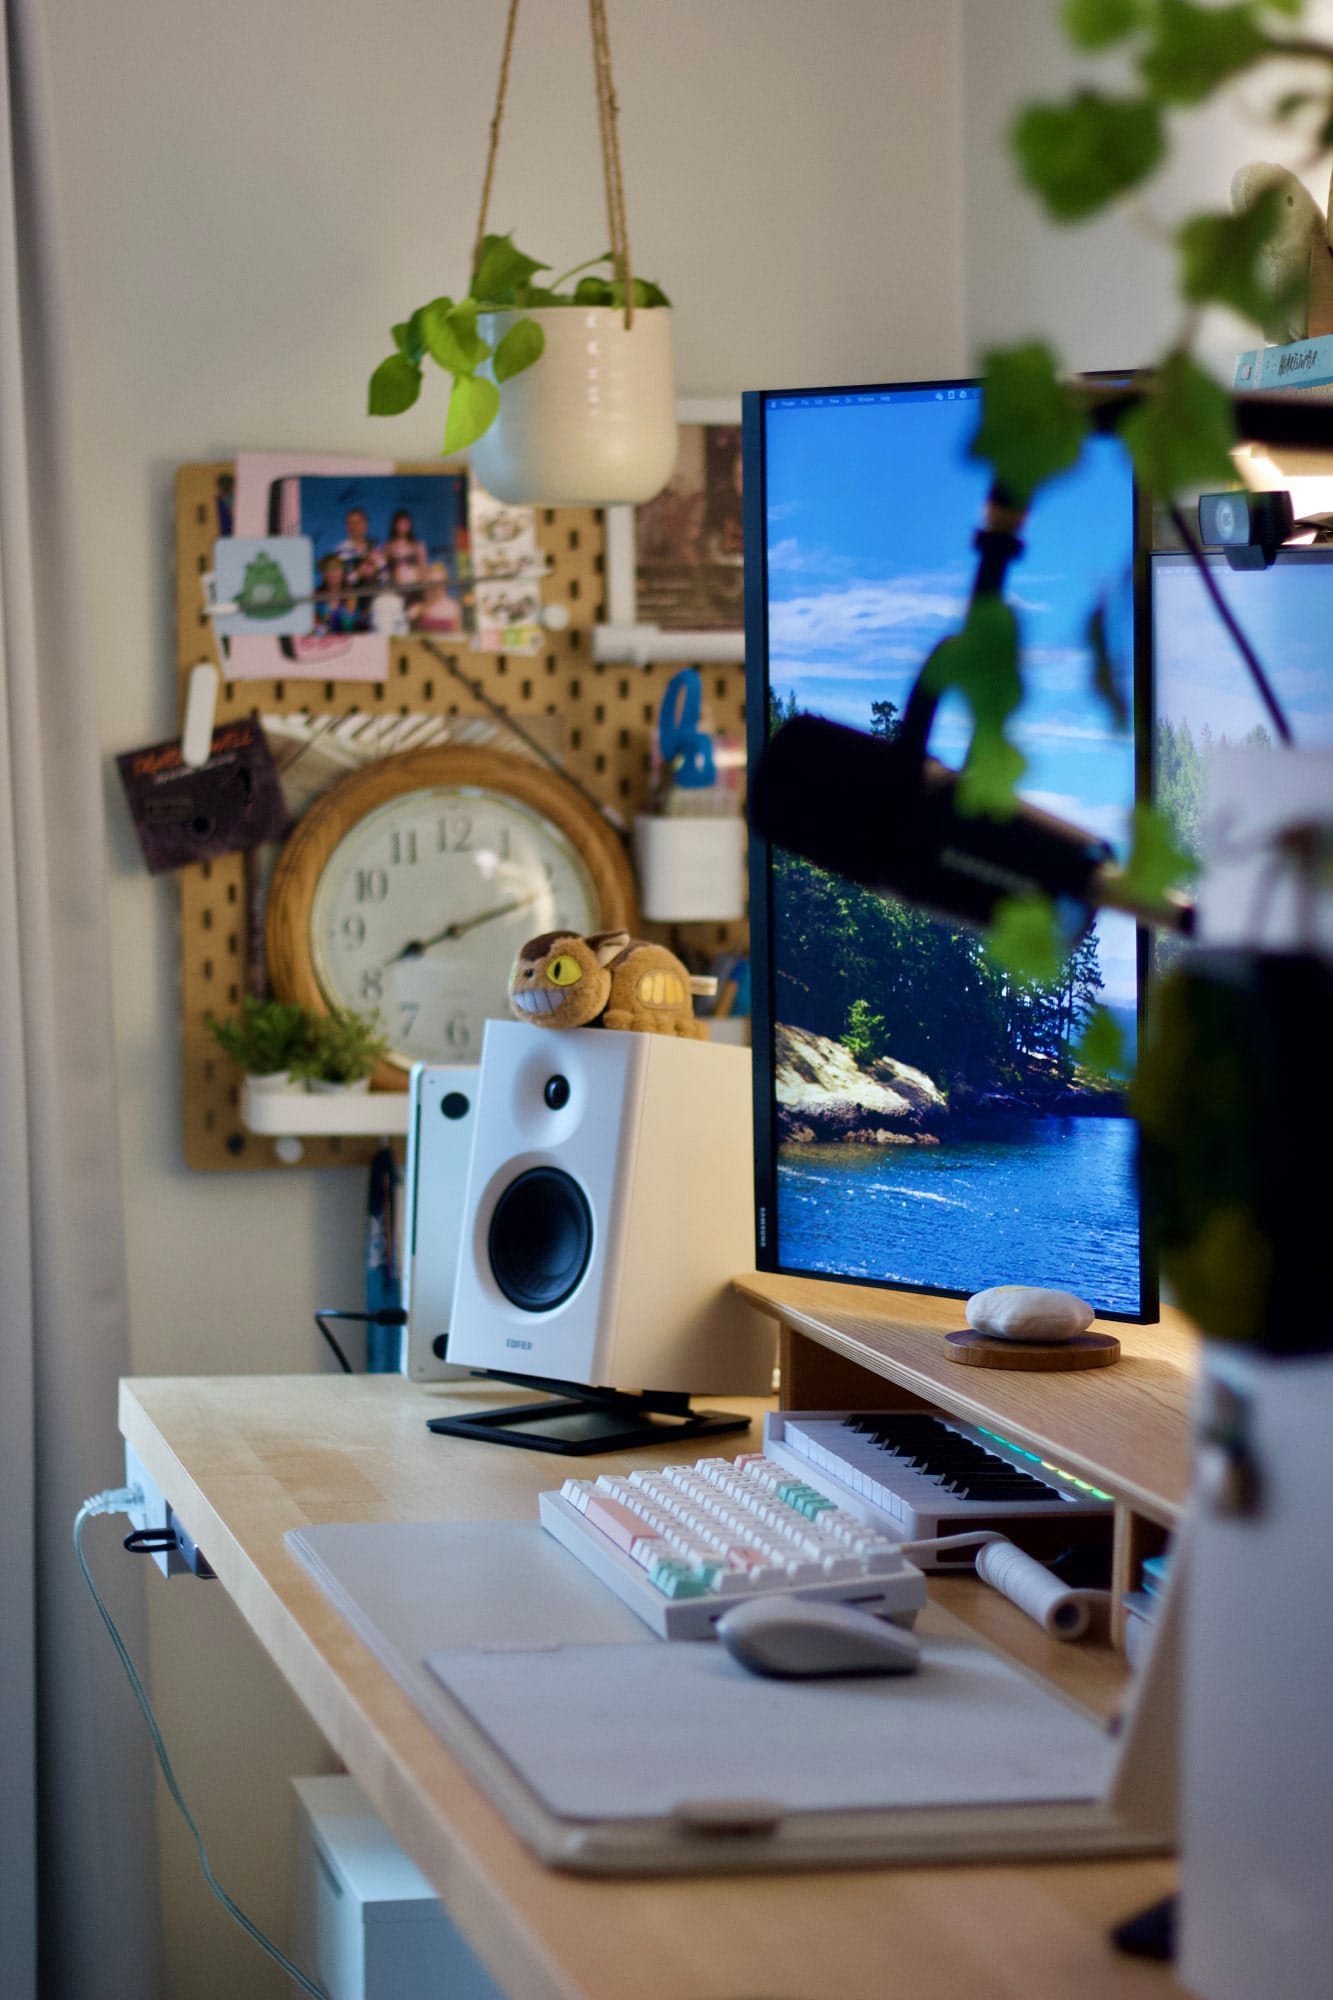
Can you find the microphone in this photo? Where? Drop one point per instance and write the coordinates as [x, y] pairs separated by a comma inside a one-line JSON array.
[[883, 815]]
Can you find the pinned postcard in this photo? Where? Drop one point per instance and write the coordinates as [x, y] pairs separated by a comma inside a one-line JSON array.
[[263, 584], [390, 559], [194, 812], [508, 564]]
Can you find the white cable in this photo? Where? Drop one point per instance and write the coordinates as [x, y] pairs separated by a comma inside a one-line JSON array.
[[120, 1500], [1037, 1591]]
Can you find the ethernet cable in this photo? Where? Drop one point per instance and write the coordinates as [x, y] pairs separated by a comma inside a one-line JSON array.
[[121, 1500]]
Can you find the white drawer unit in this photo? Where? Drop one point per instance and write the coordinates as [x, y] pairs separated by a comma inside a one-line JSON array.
[[367, 1923]]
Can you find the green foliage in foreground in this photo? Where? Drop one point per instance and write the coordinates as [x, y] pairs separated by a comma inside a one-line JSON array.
[[1078, 157], [445, 331]]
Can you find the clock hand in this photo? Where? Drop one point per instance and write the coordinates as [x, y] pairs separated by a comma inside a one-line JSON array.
[[488, 916], [416, 947]]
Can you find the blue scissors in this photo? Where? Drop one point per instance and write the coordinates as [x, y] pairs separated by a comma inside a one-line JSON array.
[[687, 750]]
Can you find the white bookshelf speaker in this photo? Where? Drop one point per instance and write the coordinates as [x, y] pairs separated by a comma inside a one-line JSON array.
[[441, 1119], [610, 1200]]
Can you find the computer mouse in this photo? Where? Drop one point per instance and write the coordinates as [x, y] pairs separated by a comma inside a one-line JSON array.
[[795, 1638]]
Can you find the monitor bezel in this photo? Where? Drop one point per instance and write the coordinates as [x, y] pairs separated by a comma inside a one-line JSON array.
[[754, 406]]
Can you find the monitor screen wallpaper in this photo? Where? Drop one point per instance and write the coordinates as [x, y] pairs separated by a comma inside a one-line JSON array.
[[923, 1120]]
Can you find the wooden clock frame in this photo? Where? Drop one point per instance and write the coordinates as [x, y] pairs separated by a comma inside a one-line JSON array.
[[326, 823]]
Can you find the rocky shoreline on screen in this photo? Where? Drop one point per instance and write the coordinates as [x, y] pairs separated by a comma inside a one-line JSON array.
[[826, 1096]]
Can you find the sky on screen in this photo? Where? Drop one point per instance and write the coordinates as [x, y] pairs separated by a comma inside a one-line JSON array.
[[871, 511]]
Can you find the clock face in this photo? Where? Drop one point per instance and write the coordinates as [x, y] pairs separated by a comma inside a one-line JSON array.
[[421, 907]]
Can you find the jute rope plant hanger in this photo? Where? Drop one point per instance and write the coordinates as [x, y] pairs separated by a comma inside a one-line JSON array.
[[592, 422], [608, 126]]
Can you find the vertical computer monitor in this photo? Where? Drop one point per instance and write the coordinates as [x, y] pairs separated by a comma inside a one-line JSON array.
[[1203, 697], [921, 1121]]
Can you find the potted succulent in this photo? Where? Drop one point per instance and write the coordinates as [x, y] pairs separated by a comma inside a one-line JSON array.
[[270, 1039], [593, 424], [343, 1051]]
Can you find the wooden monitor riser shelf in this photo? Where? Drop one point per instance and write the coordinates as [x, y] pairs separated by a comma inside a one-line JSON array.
[[244, 1460], [1125, 1429]]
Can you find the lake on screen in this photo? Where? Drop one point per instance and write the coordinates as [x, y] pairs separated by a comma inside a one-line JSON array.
[[1054, 1205]]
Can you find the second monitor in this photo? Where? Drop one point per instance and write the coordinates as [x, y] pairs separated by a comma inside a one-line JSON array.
[[921, 1119]]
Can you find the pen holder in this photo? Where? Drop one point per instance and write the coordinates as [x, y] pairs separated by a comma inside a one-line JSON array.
[[691, 870]]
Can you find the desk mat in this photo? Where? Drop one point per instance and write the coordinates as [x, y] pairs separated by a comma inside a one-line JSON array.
[[611, 1751]]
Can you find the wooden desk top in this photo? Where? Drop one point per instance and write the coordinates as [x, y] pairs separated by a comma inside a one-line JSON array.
[[1125, 1428], [244, 1459]]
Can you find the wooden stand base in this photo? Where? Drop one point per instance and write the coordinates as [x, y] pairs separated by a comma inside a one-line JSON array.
[[982, 1350]]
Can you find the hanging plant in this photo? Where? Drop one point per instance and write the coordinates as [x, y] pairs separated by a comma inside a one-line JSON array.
[[445, 332], [596, 423]]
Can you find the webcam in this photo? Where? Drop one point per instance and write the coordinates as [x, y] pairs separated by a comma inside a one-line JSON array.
[[1249, 528]]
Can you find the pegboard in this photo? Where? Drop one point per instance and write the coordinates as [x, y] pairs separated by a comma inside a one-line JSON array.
[[607, 713]]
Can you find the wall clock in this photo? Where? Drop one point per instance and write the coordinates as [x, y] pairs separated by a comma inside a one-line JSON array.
[[407, 888]]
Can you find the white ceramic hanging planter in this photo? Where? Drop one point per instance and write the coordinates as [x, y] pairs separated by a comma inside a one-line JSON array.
[[592, 423]]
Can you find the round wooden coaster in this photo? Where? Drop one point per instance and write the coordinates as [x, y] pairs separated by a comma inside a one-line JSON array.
[[982, 1350]]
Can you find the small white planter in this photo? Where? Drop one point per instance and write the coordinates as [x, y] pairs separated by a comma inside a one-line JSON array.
[[690, 870], [590, 424], [269, 1081], [320, 1086]]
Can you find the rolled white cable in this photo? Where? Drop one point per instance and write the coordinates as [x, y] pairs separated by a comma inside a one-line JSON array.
[[1063, 1613]]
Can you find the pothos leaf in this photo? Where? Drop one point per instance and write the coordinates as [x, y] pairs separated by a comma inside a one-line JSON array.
[[1183, 433], [981, 663], [1101, 1046], [1096, 24], [394, 386], [502, 267], [1155, 863], [451, 336], [402, 340], [519, 348], [1081, 155], [1220, 260], [473, 405], [1194, 49], [1024, 939], [989, 781], [1031, 427]]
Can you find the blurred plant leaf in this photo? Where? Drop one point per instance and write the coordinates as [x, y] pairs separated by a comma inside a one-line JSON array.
[[1031, 424], [394, 386], [1155, 863], [1194, 49], [981, 663], [451, 337], [1220, 261], [1101, 1046], [1024, 939], [1182, 434], [1081, 155], [473, 404], [1107, 678], [520, 347], [990, 775], [501, 269], [402, 340], [1096, 24]]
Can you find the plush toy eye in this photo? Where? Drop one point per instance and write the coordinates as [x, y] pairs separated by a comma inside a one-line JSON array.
[[564, 971]]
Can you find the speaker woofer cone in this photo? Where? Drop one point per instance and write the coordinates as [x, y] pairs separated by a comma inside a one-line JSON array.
[[540, 1239]]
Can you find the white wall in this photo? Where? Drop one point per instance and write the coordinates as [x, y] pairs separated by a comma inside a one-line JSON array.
[[1104, 292], [251, 193]]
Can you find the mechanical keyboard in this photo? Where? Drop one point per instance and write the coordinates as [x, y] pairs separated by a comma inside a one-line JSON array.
[[821, 1512]]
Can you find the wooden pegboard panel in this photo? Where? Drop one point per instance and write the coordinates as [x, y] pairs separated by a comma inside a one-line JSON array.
[[606, 712]]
